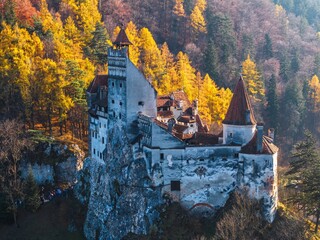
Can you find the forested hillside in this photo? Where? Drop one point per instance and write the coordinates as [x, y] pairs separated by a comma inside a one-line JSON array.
[[51, 50]]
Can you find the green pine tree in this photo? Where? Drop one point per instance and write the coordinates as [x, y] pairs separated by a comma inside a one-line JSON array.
[[211, 61], [304, 173], [97, 49], [267, 48], [272, 107], [31, 191]]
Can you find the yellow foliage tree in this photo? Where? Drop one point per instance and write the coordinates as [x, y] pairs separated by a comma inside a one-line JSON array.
[[86, 14], [178, 8], [151, 57], [253, 79], [133, 35], [115, 32], [202, 5], [213, 101], [186, 75], [197, 20], [169, 79], [314, 93]]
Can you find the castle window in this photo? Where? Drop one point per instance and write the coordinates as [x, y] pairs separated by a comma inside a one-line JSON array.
[[120, 103], [94, 151], [102, 139], [120, 115], [100, 125], [140, 103], [236, 155], [104, 125], [161, 156], [92, 134], [112, 84], [175, 185], [112, 101], [100, 155], [114, 114], [95, 135], [121, 85], [230, 134], [201, 159]]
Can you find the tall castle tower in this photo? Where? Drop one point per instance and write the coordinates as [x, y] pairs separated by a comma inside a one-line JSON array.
[[239, 124], [129, 93], [117, 84]]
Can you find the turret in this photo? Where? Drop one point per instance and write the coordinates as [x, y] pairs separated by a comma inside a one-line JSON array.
[[239, 124]]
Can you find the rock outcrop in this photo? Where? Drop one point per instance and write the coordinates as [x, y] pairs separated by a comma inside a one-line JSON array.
[[118, 192], [53, 163]]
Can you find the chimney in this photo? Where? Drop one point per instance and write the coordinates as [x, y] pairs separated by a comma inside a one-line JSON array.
[[195, 107], [271, 133], [259, 137], [171, 123], [247, 116], [180, 104]]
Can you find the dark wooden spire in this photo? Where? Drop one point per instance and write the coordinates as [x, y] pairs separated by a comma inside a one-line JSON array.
[[240, 111], [122, 39]]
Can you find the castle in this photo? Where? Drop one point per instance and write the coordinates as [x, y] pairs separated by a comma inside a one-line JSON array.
[[191, 165]]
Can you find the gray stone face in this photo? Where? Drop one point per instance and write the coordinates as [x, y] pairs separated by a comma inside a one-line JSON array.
[[53, 162], [121, 197]]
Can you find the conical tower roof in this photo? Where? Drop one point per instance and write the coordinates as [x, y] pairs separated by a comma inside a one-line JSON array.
[[240, 111], [122, 39]]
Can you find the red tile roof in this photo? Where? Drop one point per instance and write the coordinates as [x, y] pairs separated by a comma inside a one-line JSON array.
[[164, 101], [239, 105], [122, 39], [186, 119], [165, 114], [181, 96], [204, 139], [99, 80], [202, 127], [179, 128], [267, 146]]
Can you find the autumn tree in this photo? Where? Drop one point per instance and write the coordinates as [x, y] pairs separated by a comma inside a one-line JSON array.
[[197, 19], [151, 57], [86, 16], [178, 8], [18, 51], [169, 79], [133, 35], [12, 142], [253, 79], [313, 102], [186, 75]]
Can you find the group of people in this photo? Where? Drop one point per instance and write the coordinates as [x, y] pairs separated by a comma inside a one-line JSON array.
[[52, 193]]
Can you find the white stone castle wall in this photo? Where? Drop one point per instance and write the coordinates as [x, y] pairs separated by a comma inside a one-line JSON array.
[[240, 134], [139, 90]]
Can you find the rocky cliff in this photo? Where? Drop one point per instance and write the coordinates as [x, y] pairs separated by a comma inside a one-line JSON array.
[[118, 192], [53, 162]]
